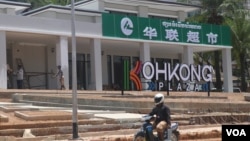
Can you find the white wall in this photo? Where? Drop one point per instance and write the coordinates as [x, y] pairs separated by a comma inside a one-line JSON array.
[[33, 59], [92, 5], [3, 66], [51, 67], [48, 26]]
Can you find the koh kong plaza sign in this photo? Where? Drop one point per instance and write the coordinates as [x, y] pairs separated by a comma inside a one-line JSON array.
[[181, 73], [133, 27]]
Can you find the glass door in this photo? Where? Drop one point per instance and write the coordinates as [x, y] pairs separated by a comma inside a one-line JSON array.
[[118, 62], [81, 71]]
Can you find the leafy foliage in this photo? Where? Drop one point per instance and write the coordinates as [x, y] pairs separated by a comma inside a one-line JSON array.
[[237, 18], [210, 14]]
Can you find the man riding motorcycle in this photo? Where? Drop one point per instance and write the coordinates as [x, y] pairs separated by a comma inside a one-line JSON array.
[[162, 119]]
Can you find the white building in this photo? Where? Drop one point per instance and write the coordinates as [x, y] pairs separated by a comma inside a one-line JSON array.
[[41, 40]]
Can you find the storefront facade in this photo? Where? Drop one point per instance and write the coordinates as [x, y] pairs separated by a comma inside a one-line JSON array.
[[41, 39]]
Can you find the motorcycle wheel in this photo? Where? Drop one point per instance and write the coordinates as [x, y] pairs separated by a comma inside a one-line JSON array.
[[139, 136], [175, 136]]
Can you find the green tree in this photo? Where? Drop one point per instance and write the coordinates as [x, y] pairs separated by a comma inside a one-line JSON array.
[[201, 57], [211, 14], [237, 17], [34, 3], [215, 18], [59, 2]]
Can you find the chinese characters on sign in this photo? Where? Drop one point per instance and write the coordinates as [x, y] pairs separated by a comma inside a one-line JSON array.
[[150, 32], [172, 35], [212, 38], [133, 27]]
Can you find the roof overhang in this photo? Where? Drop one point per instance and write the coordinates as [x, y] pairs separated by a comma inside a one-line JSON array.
[[18, 6], [57, 8], [159, 4]]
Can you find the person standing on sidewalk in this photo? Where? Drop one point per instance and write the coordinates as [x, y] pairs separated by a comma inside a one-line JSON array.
[[59, 74], [9, 73], [19, 74]]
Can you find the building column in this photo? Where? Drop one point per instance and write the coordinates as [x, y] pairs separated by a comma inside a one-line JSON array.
[[104, 68], [62, 58], [3, 60], [96, 64], [101, 5], [182, 15], [142, 11], [227, 70], [187, 57], [144, 57]]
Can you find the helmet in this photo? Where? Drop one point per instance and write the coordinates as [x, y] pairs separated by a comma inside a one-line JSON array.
[[159, 98]]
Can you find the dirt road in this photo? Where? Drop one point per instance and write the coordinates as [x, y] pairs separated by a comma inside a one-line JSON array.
[[109, 130]]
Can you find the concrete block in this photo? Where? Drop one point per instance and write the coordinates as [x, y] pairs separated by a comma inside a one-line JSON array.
[[7, 138], [49, 115], [8, 109], [3, 118], [27, 134], [17, 97], [247, 98]]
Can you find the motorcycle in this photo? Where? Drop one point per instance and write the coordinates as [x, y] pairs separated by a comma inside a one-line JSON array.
[[146, 131]]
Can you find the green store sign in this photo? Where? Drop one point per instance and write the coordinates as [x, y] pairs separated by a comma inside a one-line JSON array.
[[132, 27]]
